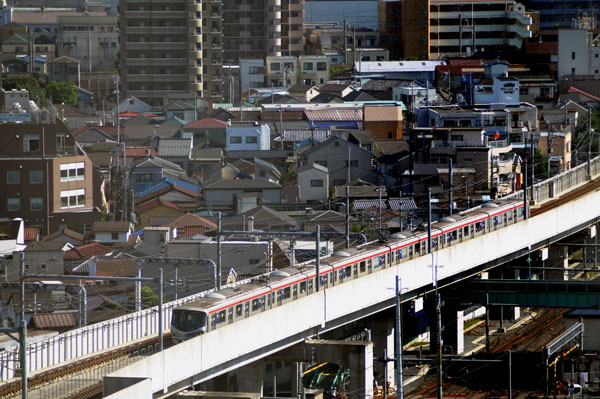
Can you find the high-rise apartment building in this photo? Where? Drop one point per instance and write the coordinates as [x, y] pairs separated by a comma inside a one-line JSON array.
[[403, 27], [171, 49], [463, 27], [258, 28]]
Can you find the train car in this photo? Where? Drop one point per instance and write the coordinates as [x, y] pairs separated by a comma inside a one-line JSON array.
[[262, 293]]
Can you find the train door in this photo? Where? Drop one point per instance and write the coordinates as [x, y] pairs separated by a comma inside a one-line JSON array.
[[279, 297], [246, 309], [505, 218], [355, 270], [370, 266], [230, 315], [295, 291]]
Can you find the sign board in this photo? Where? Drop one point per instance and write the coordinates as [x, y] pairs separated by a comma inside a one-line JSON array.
[[10, 117], [544, 253]]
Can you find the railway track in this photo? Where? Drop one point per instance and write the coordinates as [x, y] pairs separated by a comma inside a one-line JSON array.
[[64, 372]]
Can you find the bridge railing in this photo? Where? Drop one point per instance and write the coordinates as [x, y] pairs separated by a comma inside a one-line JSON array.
[[561, 183], [88, 340]]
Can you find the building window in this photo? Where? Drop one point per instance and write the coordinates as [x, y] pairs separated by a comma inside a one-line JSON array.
[[72, 171], [256, 70], [572, 55], [316, 183], [307, 66], [72, 198], [235, 140], [114, 236], [572, 71], [36, 204], [251, 140], [87, 228], [31, 143], [13, 204], [321, 66], [322, 163], [36, 177], [144, 177], [288, 65], [275, 66], [13, 177]]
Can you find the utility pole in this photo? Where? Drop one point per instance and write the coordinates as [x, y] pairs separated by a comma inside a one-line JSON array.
[[23, 343], [438, 312], [589, 128], [318, 245], [450, 185], [347, 216], [525, 211], [345, 44], [398, 339], [219, 250]]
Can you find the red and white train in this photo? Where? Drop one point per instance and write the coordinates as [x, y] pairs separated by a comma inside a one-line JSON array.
[[263, 293]]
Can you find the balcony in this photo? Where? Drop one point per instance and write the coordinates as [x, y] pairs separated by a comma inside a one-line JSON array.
[[462, 144], [155, 61], [156, 45], [156, 30], [154, 77]]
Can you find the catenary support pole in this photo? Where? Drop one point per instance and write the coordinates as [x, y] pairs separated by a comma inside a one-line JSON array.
[[23, 334], [219, 254], [347, 216], [318, 247], [398, 339], [160, 308]]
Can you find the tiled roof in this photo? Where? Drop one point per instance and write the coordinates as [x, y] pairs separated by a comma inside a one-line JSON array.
[[146, 131], [87, 251], [68, 110], [179, 148], [179, 105], [53, 320], [189, 219], [110, 130], [263, 154], [335, 115], [66, 232], [207, 154], [156, 162], [276, 116], [116, 267], [366, 204], [402, 204], [241, 184], [110, 227], [100, 158], [167, 182], [139, 152], [148, 205], [390, 146], [207, 123]]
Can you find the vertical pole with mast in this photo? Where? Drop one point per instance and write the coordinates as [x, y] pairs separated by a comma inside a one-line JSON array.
[[451, 205], [347, 216], [218, 277], [23, 343], [398, 339]]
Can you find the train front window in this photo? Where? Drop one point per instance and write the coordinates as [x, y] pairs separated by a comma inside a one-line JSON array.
[[185, 320]]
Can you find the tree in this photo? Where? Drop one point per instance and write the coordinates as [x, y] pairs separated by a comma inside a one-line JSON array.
[[149, 298], [27, 82], [62, 92], [541, 164]]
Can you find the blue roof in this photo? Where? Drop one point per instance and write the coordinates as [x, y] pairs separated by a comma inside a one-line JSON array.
[[142, 191]]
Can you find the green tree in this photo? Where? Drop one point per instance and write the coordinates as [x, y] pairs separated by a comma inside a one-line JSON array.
[[581, 137], [149, 298], [541, 164], [288, 177], [62, 92], [27, 82]]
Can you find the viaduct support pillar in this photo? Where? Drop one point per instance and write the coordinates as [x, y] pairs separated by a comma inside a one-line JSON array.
[[382, 334]]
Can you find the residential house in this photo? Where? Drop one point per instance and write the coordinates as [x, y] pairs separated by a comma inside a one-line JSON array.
[[252, 74], [223, 192], [177, 151], [40, 258], [384, 121], [258, 169], [132, 104], [313, 183], [207, 130], [155, 207], [47, 182], [340, 90], [84, 252], [334, 154], [248, 136], [421, 71], [281, 71], [65, 69], [74, 117], [112, 232], [181, 193], [152, 169], [181, 110], [338, 116], [314, 69], [204, 161], [65, 236], [276, 157], [303, 93], [190, 225]]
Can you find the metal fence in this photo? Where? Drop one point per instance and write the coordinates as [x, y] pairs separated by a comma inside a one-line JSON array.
[[88, 340]]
